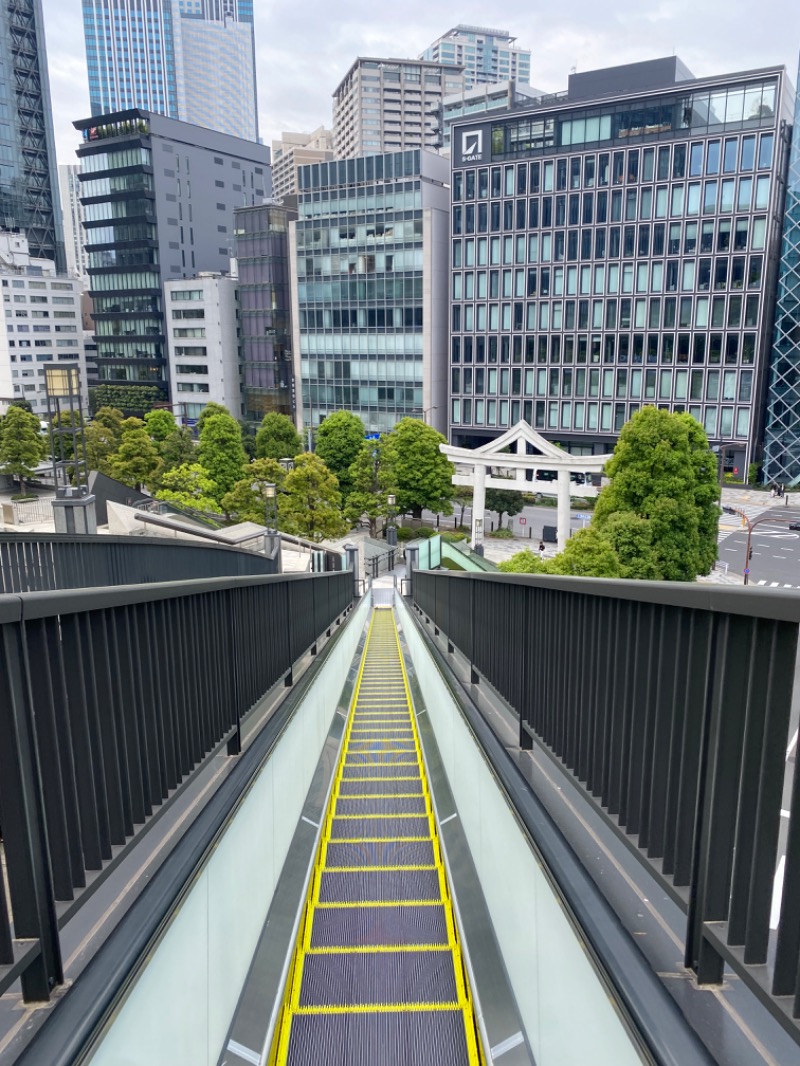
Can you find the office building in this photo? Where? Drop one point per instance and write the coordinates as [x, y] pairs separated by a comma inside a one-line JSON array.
[[369, 285], [782, 430], [193, 60], [385, 105], [262, 258], [486, 55], [616, 248], [484, 98], [295, 150], [72, 210], [28, 181], [203, 342], [158, 198], [41, 325]]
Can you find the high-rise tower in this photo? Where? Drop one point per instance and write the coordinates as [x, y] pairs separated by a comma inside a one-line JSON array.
[[187, 59], [28, 182]]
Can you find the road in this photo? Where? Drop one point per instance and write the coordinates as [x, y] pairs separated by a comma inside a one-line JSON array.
[[776, 549]]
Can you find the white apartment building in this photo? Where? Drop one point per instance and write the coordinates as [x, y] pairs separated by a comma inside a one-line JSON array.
[[387, 105], [202, 319], [72, 210], [486, 55], [295, 150], [41, 325]]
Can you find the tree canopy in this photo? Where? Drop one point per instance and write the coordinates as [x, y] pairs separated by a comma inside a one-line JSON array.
[[663, 473], [277, 438], [414, 468], [160, 424], [504, 501], [189, 486], [310, 505], [367, 494], [339, 440], [136, 462], [20, 444], [246, 499], [221, 452]]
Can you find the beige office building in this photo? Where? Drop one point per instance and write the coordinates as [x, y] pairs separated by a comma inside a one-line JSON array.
[[386, 105], [295, 150]]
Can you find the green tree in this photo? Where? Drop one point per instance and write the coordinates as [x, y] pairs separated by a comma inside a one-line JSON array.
[[504, 502], [23, 404], [277, 438], [160, 424], [310, 505], [587, 554], [221, 452], [631, 537], [412, 465], [136, 462], [190, 486], [20, 444], [524, 562], [178, 448], [339, 440], [246, 499], [663, 472], [367, 495], [209, 411]]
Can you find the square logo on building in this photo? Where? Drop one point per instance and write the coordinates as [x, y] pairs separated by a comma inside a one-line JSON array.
[[472, 146]]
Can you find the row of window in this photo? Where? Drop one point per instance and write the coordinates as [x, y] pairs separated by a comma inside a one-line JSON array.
[[613, 242], [641, 204], [637, 348], [395, 231], [688, 275], [364, 263], [685, 312], [379, 290], [28, 283], [590, 416], [729, 386]]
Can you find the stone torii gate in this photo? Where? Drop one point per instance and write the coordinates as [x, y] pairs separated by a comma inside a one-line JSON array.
[[480, 468]]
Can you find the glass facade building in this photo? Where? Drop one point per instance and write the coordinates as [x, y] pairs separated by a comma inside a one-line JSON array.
[[262, 254], [782, 434], [369, 262], [612, 253], [28, 177], [187, 59], [487, 55]]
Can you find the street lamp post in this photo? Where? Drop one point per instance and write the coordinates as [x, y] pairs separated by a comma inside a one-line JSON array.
[[391, 528], [287, 464], [269, 492], [425, 411]]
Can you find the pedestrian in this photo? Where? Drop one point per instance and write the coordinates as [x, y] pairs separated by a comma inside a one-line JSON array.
[[772, 491], [541, 550]]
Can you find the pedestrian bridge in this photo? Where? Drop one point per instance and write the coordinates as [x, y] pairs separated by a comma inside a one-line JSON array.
[[262, 819]]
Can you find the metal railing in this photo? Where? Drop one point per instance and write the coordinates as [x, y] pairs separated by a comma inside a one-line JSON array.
[[109, 700], [46, 562], [670, 707]]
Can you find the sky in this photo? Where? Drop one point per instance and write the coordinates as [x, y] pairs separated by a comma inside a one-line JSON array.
[[303, 51]]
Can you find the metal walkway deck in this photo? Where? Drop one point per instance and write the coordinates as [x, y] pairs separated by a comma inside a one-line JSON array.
[[377, 974]]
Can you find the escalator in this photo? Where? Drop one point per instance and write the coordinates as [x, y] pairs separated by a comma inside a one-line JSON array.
[[377, 973]]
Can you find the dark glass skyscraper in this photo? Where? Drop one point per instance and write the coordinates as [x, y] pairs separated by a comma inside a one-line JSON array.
[[262, 252], [28, 177]]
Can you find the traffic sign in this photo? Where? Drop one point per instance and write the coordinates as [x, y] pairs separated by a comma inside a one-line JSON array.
[[584, 517], [523, 521], [747, 569], [372, 436]]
